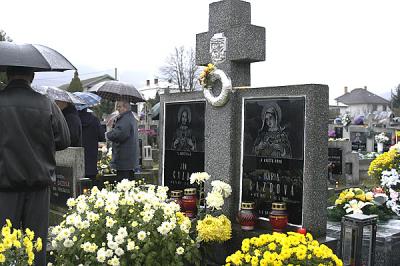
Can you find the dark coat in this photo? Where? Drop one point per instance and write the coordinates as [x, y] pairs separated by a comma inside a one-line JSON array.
[[32, 128], [92, 133], [74, 124], [125, 143]]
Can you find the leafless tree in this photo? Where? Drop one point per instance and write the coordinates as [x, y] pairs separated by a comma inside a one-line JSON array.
[[181, 69]]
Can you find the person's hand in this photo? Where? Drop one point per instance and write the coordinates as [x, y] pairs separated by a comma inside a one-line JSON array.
[[105, 136]]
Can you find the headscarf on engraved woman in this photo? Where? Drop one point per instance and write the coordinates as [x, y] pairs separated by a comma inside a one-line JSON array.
[[272, 140]]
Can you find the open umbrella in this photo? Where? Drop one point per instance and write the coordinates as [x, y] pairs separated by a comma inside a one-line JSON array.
[[155, 111], [58, 94], [117, 91], [90, 99], [35, 56]]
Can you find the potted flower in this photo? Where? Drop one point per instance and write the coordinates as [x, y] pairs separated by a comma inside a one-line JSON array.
[[283, 249], [18, 247], [390, 183], [380, 140], [124, 225], [213, 228], [356, 200]]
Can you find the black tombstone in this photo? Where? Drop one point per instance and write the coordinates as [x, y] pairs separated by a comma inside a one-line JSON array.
[[273, 159], [358, 141], [184, 143], [62, 187]]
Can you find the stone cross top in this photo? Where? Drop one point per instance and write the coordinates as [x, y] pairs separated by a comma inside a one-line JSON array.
[[244, 43]]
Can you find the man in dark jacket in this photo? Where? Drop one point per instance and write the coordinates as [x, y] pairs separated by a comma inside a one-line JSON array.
[[92, 133], [32, 128], [74, 122], [124, 137]]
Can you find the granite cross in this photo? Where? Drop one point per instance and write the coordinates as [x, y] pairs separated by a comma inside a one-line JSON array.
[[245, 43]]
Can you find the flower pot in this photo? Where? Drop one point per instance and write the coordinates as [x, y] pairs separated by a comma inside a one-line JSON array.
[[278, 216], [380, 147], [247, 216], [214, 254], [189, 202]]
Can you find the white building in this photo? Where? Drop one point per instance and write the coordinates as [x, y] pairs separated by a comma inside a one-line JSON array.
[[360, 101]]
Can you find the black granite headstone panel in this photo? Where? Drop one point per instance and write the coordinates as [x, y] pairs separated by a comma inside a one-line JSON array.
[[62, 187], [358, 141], [184, 143], [273, 160], [335, 160]]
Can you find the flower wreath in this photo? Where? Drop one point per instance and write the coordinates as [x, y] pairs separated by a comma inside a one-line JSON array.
[[207, 79]]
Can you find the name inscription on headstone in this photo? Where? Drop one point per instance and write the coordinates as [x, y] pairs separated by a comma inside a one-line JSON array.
[[184, 143], [62, 186], [273, 159]]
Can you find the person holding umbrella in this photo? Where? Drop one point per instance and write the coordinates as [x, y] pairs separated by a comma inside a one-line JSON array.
[[92, 133], [124, 131], [74, 122], [124, 138], [32, 128]]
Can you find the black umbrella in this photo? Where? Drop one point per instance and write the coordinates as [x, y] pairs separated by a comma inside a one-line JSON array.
[[35, 56], [117, 91]]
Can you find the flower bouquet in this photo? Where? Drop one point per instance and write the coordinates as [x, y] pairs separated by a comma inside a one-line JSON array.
[[283, 249], [204, 78], [103, 165], [381, 138], [355, 200], [384, 162], [346, 120], [212, 227], [390, 183], [18, 247], [124, 225]]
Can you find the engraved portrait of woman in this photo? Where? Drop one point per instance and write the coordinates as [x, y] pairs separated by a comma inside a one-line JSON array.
[[272, 139]]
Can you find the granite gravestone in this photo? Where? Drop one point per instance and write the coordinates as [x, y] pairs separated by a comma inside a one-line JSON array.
[[358, 141], [273, 160], [224, 126], [183, 143]]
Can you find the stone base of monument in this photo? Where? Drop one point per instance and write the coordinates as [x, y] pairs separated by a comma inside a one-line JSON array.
[[387, 241]]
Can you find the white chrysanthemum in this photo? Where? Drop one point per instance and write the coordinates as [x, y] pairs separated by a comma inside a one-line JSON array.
[[93, 217], [131, 245], [99, 203], [71, 202], [119, 239], [122, 232], [112, 245], [148, 215], [180, 250], [185, 226], [113, 262], [81, 206], [199, 177], [109, 253], [110, 222], [222, 187], [141, 235], [214, 200], [119, 252], [390, 178], [134, 224], [68, 243], [124, 185], [101, 255], [111, 208]]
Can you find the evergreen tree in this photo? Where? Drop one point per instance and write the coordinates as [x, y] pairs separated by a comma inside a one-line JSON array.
[[75, 84], [395, 101]]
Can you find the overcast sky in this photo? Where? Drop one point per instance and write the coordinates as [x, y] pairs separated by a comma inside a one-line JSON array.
[[352, 43]]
